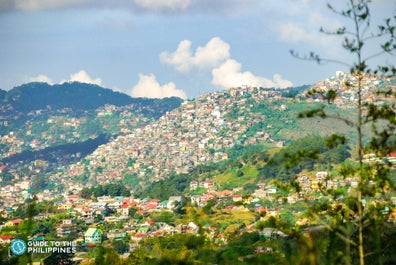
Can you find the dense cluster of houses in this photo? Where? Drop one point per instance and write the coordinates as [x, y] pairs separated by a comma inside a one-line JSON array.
[[126, 211], [346, 87], [66, 123], [196, 133]]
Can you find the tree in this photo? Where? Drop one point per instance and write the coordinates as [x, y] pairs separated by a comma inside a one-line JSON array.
[[120, 246], [361, 214], [100, 252], [59, 258]]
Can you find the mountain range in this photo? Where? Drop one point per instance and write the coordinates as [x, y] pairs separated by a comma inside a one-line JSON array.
[[141, 141]]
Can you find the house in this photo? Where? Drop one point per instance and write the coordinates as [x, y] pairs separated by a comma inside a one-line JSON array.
[[224, 156], [197, 199], [191, 228], [67, 227], [173, 200], [6, 239], [2, 168], [207, 184], [194, 185], [271, 233], [224, 193], [93, 236], [138, 237], [260, 209], [14, 222], [237, 197], [116, 234], [260, 193], [124, 210]]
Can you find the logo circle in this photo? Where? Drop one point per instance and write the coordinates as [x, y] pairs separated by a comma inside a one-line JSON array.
[[18, 247]]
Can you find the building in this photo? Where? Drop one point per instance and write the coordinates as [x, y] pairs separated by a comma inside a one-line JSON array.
[[93, 236], [116, 234]]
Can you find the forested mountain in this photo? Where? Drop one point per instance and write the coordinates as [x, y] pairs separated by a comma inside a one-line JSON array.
[[235, 164], [212, 128], [38, 120], [75, 96], [2, 94], [215, 127]]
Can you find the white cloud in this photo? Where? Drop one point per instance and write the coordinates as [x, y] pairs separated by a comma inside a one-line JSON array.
[[158, 5], [149, 87], [83, 77], [211, 55], [215, 56], [229, 75], [181, 58], [41, 78], [307, 30], [303, 26]]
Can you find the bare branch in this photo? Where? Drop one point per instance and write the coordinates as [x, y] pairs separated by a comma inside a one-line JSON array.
[[313, 57]]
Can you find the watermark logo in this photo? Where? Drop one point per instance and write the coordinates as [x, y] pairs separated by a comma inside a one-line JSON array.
[[18, 247]]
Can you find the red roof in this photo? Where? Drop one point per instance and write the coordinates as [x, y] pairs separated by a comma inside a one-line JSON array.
[[148, 223], [140, 235], [261, 209], [157, 233], [151, 206], [6, 237]]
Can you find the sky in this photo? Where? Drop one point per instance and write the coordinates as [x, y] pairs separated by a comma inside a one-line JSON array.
[[163, 48]]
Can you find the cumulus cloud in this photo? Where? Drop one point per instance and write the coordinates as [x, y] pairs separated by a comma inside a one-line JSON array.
[[162, 6], [308, 30], [215, 56], [83, 77], [301, 24], [41, 78], [230, 75], [211, 55], [149, 87]]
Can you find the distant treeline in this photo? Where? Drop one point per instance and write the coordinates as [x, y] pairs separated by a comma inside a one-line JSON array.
[[51, 154], [105, 190], [79, 96]]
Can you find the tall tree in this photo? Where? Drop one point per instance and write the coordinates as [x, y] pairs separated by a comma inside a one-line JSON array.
[[360, 213]]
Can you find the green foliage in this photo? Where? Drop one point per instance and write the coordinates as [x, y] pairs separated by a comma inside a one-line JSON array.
[[207, 209], [77, 96], [107, 189], [176, 249], [6, 177], [59, 258], [120, 246], [100, 252], [304, 154], [354, 221]]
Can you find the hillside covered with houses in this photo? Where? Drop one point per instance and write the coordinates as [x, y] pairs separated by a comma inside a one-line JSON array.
[[207, 175]]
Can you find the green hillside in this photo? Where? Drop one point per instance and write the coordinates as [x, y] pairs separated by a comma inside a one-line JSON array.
[[255, 166]]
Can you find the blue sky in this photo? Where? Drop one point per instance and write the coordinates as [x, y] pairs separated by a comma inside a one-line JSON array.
[[160, 48]]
